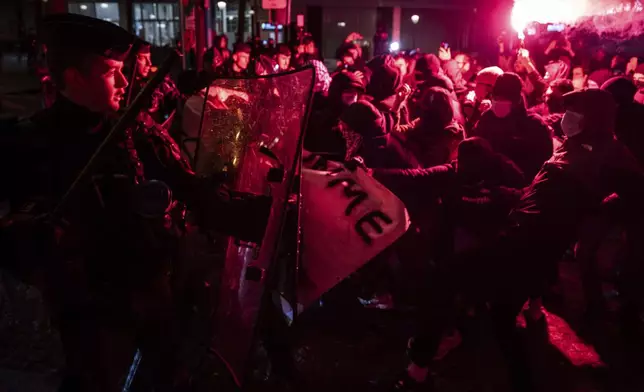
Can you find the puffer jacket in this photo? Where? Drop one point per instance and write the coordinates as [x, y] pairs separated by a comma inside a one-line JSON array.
[[523, 137]]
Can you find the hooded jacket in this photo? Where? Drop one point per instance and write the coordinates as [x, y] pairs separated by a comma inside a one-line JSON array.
[[472, 194], [523, 137], [367, 136], [570, 187], [435, 137], [630, 114], [323, 134], [430, 73]]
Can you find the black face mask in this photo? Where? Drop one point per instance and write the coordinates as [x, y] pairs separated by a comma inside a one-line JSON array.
[[359, 63]]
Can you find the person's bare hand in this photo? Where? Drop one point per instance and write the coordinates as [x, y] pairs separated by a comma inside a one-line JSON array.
[[632, 65], [567, 44], [568, 47], [523, 58], [551, 46], [403, 92], [444, 54], [359, 75]]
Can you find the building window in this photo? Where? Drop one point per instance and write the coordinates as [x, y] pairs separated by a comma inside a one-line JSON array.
[[100, 10], [157, 23], [227, 20]]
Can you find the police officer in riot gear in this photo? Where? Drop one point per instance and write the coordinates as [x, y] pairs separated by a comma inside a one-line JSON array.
[[165, 98], [105, 255]]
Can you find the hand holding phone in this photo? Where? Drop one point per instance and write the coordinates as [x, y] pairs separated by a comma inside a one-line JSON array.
[[444, 54]]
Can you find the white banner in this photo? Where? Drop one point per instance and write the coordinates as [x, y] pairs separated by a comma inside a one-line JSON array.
[[347, 219]]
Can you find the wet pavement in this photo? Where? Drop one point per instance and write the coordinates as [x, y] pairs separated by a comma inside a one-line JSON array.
[[356, 350], [568, 353]]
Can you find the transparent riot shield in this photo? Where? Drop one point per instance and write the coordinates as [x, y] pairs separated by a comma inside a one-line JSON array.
[[251, 132]]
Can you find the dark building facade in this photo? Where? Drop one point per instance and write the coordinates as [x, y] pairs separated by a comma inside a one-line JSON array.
[[436, 21]]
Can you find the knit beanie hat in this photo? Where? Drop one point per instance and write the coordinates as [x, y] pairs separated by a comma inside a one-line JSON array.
[[384, 82], [508, 86], [365, 119]]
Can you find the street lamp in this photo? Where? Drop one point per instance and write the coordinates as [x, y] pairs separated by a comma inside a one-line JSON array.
[[414, 19], [222, 7]]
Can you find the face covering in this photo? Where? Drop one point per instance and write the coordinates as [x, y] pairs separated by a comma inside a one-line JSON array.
[[501, 109], [571, 123]]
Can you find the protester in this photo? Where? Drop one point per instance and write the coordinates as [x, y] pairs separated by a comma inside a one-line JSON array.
[[630, 115], [453, 207], [534, 85], [221, 44], [407, 66], [366, 135], [638, 79], [435, 137], [523, 137], [348, 56], [388, 92], [543, 226], [322, 77], [307, 46], [213, 62], [432, 74], [580, 79], [552, 109], [323, 134], [457, 69], [477, 103]]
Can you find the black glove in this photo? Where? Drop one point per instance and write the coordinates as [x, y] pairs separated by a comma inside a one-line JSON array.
[[238, 214], [27, 243]]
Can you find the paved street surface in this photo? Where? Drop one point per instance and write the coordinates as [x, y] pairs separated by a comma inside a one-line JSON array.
[[571, 355], [353, 349]]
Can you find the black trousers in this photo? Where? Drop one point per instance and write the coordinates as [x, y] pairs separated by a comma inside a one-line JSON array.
[[497, 275], [100, 342]]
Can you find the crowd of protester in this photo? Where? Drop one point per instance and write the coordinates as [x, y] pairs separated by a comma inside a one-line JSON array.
[[505, 170]]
